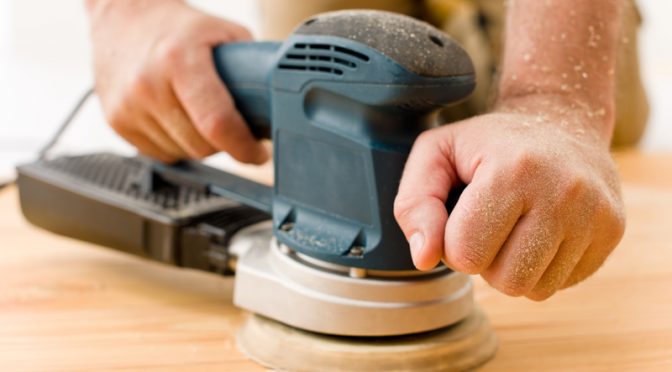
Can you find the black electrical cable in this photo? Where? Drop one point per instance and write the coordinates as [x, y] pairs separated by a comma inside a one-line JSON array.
[[44, 151], [53, 140]]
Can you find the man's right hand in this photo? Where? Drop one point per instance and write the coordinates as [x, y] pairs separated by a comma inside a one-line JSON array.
[[157, 82]]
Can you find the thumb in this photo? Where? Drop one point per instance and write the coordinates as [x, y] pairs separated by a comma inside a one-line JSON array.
[[419, 207]]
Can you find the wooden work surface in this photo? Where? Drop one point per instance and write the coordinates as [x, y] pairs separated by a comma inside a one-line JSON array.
[[67, 305]]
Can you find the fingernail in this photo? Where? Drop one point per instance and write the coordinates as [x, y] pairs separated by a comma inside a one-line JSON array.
[[417, 241]]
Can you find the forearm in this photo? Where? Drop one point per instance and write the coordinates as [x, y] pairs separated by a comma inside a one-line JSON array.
[[564, 49]]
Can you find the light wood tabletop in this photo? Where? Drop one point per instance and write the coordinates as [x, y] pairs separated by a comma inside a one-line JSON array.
[[68, 305]]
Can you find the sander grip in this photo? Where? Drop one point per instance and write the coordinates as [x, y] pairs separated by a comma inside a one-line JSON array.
[[245, 68]]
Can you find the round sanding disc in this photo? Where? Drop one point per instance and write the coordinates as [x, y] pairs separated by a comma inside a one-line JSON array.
[[462, 346]]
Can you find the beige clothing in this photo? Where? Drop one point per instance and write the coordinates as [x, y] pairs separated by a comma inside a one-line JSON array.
[[478, 26]]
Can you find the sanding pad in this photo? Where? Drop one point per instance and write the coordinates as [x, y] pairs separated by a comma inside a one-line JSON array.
[[463, 346]]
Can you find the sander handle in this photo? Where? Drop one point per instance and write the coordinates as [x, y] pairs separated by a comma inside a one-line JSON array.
[[246, 68]]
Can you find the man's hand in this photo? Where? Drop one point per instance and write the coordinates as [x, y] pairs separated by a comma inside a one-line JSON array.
[[542, 209], [157, 82]]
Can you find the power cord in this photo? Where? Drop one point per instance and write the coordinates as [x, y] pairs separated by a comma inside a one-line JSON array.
[[43, 153]]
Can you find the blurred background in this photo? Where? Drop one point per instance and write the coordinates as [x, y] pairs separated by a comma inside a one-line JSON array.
[[44, 68]]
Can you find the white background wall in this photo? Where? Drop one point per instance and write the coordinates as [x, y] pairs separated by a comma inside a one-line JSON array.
[[44, 67]]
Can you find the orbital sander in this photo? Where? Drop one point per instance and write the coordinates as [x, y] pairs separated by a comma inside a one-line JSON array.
[[318, 257]]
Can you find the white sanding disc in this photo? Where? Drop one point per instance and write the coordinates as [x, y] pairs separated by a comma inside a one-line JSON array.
[[463, 346]]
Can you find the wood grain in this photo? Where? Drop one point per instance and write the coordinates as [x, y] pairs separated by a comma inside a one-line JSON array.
[[67, 305]]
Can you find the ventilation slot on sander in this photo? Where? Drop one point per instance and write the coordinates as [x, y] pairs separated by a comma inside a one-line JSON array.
[[325, 58], [127, 177]]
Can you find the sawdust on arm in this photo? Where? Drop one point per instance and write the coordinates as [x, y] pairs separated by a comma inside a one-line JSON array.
[[564, 48]]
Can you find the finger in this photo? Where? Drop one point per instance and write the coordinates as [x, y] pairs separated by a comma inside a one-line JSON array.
[[158, 136], [423, 227], [607, 237], [594, 257], [559, 270], [419, 207], [525, 255], [481, 221], [177, 124], [211, 108], [147, 147]]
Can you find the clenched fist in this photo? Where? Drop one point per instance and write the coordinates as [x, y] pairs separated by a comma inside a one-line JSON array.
[[542, 207], [157, 82]]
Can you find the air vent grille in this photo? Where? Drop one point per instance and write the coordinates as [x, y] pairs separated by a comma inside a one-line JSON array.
[[327, 58], [121, 175]]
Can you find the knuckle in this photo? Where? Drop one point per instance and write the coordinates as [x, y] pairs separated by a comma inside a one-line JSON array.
[[114, 106], [525, 159], [608, 219], [525, 164], [119, 126], [617, 219], [140, 87], [618, 227], [573, 188], [467, 259], [213, 125], [169, 54], [115, 118], [403, 207]]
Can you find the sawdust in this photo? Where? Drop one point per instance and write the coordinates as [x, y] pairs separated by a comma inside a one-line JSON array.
[[561, 106], [416, 45], [594, 38], [535, 249], [530, 256]]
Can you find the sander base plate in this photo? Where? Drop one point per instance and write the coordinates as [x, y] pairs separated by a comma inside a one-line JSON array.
[[462, 346]]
